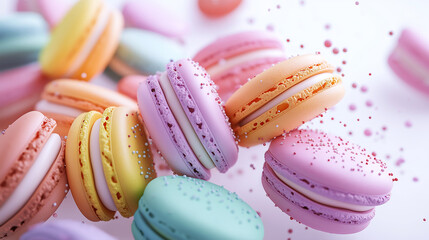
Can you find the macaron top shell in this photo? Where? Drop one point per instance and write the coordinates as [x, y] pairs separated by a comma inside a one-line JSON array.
[[269, 84], [21, 24], [202, 105], [235, 44], [414, 43], [218, 8], [330, 162], [200, 210]]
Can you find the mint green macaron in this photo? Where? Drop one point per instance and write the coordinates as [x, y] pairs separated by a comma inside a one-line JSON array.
[[178, 207]]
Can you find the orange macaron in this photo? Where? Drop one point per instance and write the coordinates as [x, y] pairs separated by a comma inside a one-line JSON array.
[[282, 98], [83, 42]]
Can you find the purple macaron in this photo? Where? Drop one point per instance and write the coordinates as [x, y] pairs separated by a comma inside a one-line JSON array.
[[185, 119], [325, 182]]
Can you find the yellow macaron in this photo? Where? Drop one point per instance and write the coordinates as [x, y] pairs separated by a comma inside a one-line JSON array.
[[109, 162], [83, 42]]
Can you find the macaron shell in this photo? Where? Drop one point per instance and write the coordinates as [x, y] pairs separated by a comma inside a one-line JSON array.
[[202, 106], [272, 82], [44, 201], [165, 131], [126, 156], [20, 144], [310, 219], [294, 116], [216, 8], [129, 85], [79, 169]]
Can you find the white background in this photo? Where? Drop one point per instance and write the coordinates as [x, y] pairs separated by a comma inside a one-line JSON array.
[[364, 30]]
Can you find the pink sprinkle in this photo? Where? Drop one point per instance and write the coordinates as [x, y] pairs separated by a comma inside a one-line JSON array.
[[55, 215], [408, 124], [352, 107], [384, 128], [391, 33], [339, 69], [364, 89], [302, 46], [270, 27], [354, 85], [368, 103], [335, 50], [374, 154], [367, 132], [344, 62], [290, 231], [345, 50], [356, 3], [278, 6], [415, 179], [327, 26], [424, 219], [328, 43], [399, 162]]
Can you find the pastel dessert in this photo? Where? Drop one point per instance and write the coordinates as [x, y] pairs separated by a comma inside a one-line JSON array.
[[52, 11], [22, 37], [84, 41], [325, 182], [234, 59], [150, 16], [33, 180], [410, 60], [185, 119], [200, 210], [129, 85], [218, 8], [65, 99], [109, 162], [65, 229], [143, 52], [282, 98], [20, 91]]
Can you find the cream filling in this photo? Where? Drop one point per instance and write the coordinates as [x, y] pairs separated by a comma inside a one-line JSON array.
[[95, 35], [122, 68], [409, 62], [322, 199], [32, 179], [285, 95], [226, 64], [50, 107], [97, 168], [184, 123]]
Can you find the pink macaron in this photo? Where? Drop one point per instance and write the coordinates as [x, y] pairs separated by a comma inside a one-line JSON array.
[[20, 91], [410, 60], [218, 8], [325, 182], [232, 60], [128, 85], [52, 11], [185, 119]]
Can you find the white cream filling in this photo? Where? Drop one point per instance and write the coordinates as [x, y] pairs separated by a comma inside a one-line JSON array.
[[97, 168], [322, 199], [184, 123], [50, 107], [285, 95], [95, 35], [32, 179], [409, 62], [224, 65]]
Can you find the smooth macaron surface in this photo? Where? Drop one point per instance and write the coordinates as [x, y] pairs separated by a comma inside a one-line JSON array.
[[129, 85], [200, 210], [22, 37], [218, 8], [282, 98], [144, 52], [330, 176], [83, 42]]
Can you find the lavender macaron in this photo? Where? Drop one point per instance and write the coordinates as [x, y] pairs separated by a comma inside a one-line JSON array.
[[325, 182], [184, 117]]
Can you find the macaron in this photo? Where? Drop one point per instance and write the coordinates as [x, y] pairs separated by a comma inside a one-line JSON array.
[[282, 98], [143, 52], [22, 37], [325, 182], [65, 229], [20, 91], [234, 59], [83, 42], [218, 8], [65, 99], [33, 180], [150, 16], [176, 207], [109, 162], [184, 117], [52, 11], [410, 60], [129, 85]]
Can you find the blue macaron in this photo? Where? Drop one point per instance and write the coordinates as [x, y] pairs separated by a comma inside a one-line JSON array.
[[22, 36], [178, 207]]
